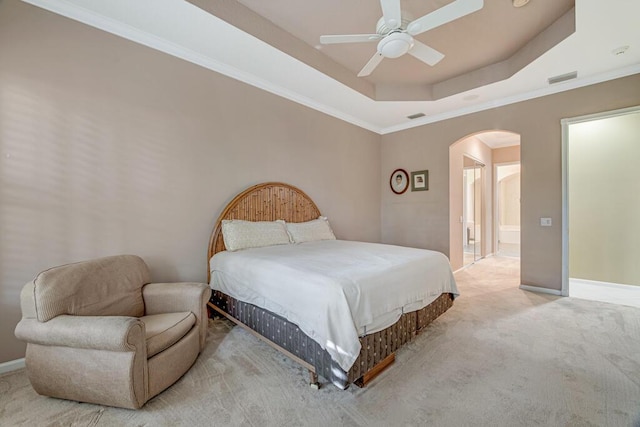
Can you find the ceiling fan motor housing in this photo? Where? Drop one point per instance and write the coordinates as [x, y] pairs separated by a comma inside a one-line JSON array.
[[395, 45]]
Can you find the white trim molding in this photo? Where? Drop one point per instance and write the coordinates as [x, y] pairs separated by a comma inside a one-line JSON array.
[[12, 365], [541, 290]]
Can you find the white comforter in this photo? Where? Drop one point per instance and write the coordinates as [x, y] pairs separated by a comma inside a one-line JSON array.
[[333, 288]]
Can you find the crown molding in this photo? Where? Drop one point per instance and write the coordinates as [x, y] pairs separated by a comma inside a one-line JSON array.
[[537, 93]]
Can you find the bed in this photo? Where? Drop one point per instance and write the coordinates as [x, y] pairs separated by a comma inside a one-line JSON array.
[[339, 338]]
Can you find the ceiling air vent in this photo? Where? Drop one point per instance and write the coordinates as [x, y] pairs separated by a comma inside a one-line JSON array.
[[562, 77], [415, 116]]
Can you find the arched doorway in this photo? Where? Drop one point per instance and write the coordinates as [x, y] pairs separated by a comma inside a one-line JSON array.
[[473, 227]]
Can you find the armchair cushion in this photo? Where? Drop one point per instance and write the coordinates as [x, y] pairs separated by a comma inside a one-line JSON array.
[[178, 297], [164, 330]]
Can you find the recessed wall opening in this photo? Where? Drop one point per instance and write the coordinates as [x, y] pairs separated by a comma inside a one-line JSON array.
[[601, 207]]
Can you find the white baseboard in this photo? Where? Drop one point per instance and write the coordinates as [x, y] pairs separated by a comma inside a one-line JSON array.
[[605, 284], [541, 290], [614, 293], [469, 265], [12, 365]]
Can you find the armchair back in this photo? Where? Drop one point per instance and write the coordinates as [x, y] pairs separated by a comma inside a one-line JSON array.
[[110, 286]]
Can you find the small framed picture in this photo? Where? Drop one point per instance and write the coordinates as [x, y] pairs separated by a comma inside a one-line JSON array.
[[420, 181], [399, 181]]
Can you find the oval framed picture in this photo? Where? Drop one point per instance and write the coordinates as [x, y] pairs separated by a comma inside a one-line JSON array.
[[399, 181]]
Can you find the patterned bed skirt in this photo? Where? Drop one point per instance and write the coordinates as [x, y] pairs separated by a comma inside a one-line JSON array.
[[376, 347]]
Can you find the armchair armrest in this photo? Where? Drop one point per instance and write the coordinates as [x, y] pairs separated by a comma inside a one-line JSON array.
[[176, 297], [113, 333]]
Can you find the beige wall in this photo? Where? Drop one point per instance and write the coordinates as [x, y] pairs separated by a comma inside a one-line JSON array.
[[416, 218], [474, 148], [109, 147], [506, 154], [423, 220], [509, 189], [509, 197], [604, 199]]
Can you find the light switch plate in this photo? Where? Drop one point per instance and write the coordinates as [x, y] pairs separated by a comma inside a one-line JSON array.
[[545, 222]]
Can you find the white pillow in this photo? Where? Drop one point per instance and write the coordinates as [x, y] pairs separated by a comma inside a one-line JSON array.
[[317, 229], [239, 234]]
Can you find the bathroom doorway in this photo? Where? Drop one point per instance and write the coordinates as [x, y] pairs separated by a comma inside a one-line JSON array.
[[507, 216]]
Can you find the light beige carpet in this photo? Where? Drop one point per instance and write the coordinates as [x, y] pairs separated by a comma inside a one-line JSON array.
[[500, 357]]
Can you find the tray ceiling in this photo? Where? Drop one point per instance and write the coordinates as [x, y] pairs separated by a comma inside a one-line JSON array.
[[486, 46], [272, 45]]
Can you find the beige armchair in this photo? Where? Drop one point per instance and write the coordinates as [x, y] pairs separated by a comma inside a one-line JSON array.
[[97, 331]]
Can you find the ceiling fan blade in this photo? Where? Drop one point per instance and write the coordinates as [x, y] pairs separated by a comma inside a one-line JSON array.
[[445, 14], [371, 65], [391, 13], [426, 54], [350, 38]]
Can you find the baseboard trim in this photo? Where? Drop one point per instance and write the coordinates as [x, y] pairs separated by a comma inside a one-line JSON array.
[[614, 293], [541, 290], [610, 285], [469, 265], [12, 365], [460, 269]]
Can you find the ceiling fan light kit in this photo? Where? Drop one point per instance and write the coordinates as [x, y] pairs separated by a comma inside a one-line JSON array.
[[394, 32], [395, 45]]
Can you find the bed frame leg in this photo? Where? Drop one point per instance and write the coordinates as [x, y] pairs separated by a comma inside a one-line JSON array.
[[313, 380], [375, 371]]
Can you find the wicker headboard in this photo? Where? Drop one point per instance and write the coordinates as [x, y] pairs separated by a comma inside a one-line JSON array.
[[264, 202]]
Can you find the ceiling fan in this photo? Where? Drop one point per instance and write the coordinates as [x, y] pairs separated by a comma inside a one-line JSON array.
[[394, 32]]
